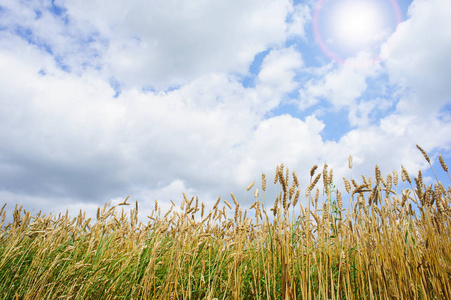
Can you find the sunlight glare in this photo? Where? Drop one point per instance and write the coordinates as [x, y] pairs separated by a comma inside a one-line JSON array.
[[345, 28], [357, 23]]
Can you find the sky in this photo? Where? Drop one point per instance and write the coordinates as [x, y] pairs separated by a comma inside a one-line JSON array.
[[104, 99]]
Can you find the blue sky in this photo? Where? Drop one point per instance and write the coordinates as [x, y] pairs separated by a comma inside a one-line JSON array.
[[154, 98]]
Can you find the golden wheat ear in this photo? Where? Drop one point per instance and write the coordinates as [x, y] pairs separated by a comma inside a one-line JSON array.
[[125, 201]]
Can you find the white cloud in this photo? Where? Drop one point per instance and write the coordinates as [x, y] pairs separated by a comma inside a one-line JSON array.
[[61, 125], [73, 47], [341, 86], [299, 18], [157, 44], [167, 43], [282, 139], [277, 73], [417, 57], [364, 113], [71, 138]]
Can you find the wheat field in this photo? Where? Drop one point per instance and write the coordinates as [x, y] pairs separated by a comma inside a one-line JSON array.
[[393, 241]]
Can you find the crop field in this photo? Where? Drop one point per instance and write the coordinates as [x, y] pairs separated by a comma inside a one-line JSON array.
[[393, 241]]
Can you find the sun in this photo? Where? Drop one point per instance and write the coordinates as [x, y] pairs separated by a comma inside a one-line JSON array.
[[344, 28], [357, 23]]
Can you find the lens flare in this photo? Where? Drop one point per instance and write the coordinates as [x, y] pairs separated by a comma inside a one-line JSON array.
[[346, 27]]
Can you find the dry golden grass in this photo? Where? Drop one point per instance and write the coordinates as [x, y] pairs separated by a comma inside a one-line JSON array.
[[384, 245]]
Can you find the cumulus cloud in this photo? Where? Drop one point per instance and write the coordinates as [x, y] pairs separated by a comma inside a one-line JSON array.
[[365, 112], [167, 43], [420, 46], [276, 76], [282, 139], [49, 28], [156, 44], [298, 19], [72, 127], [341, 86]]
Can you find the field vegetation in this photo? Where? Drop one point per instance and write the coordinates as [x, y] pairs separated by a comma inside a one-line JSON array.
[[392, 241]]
